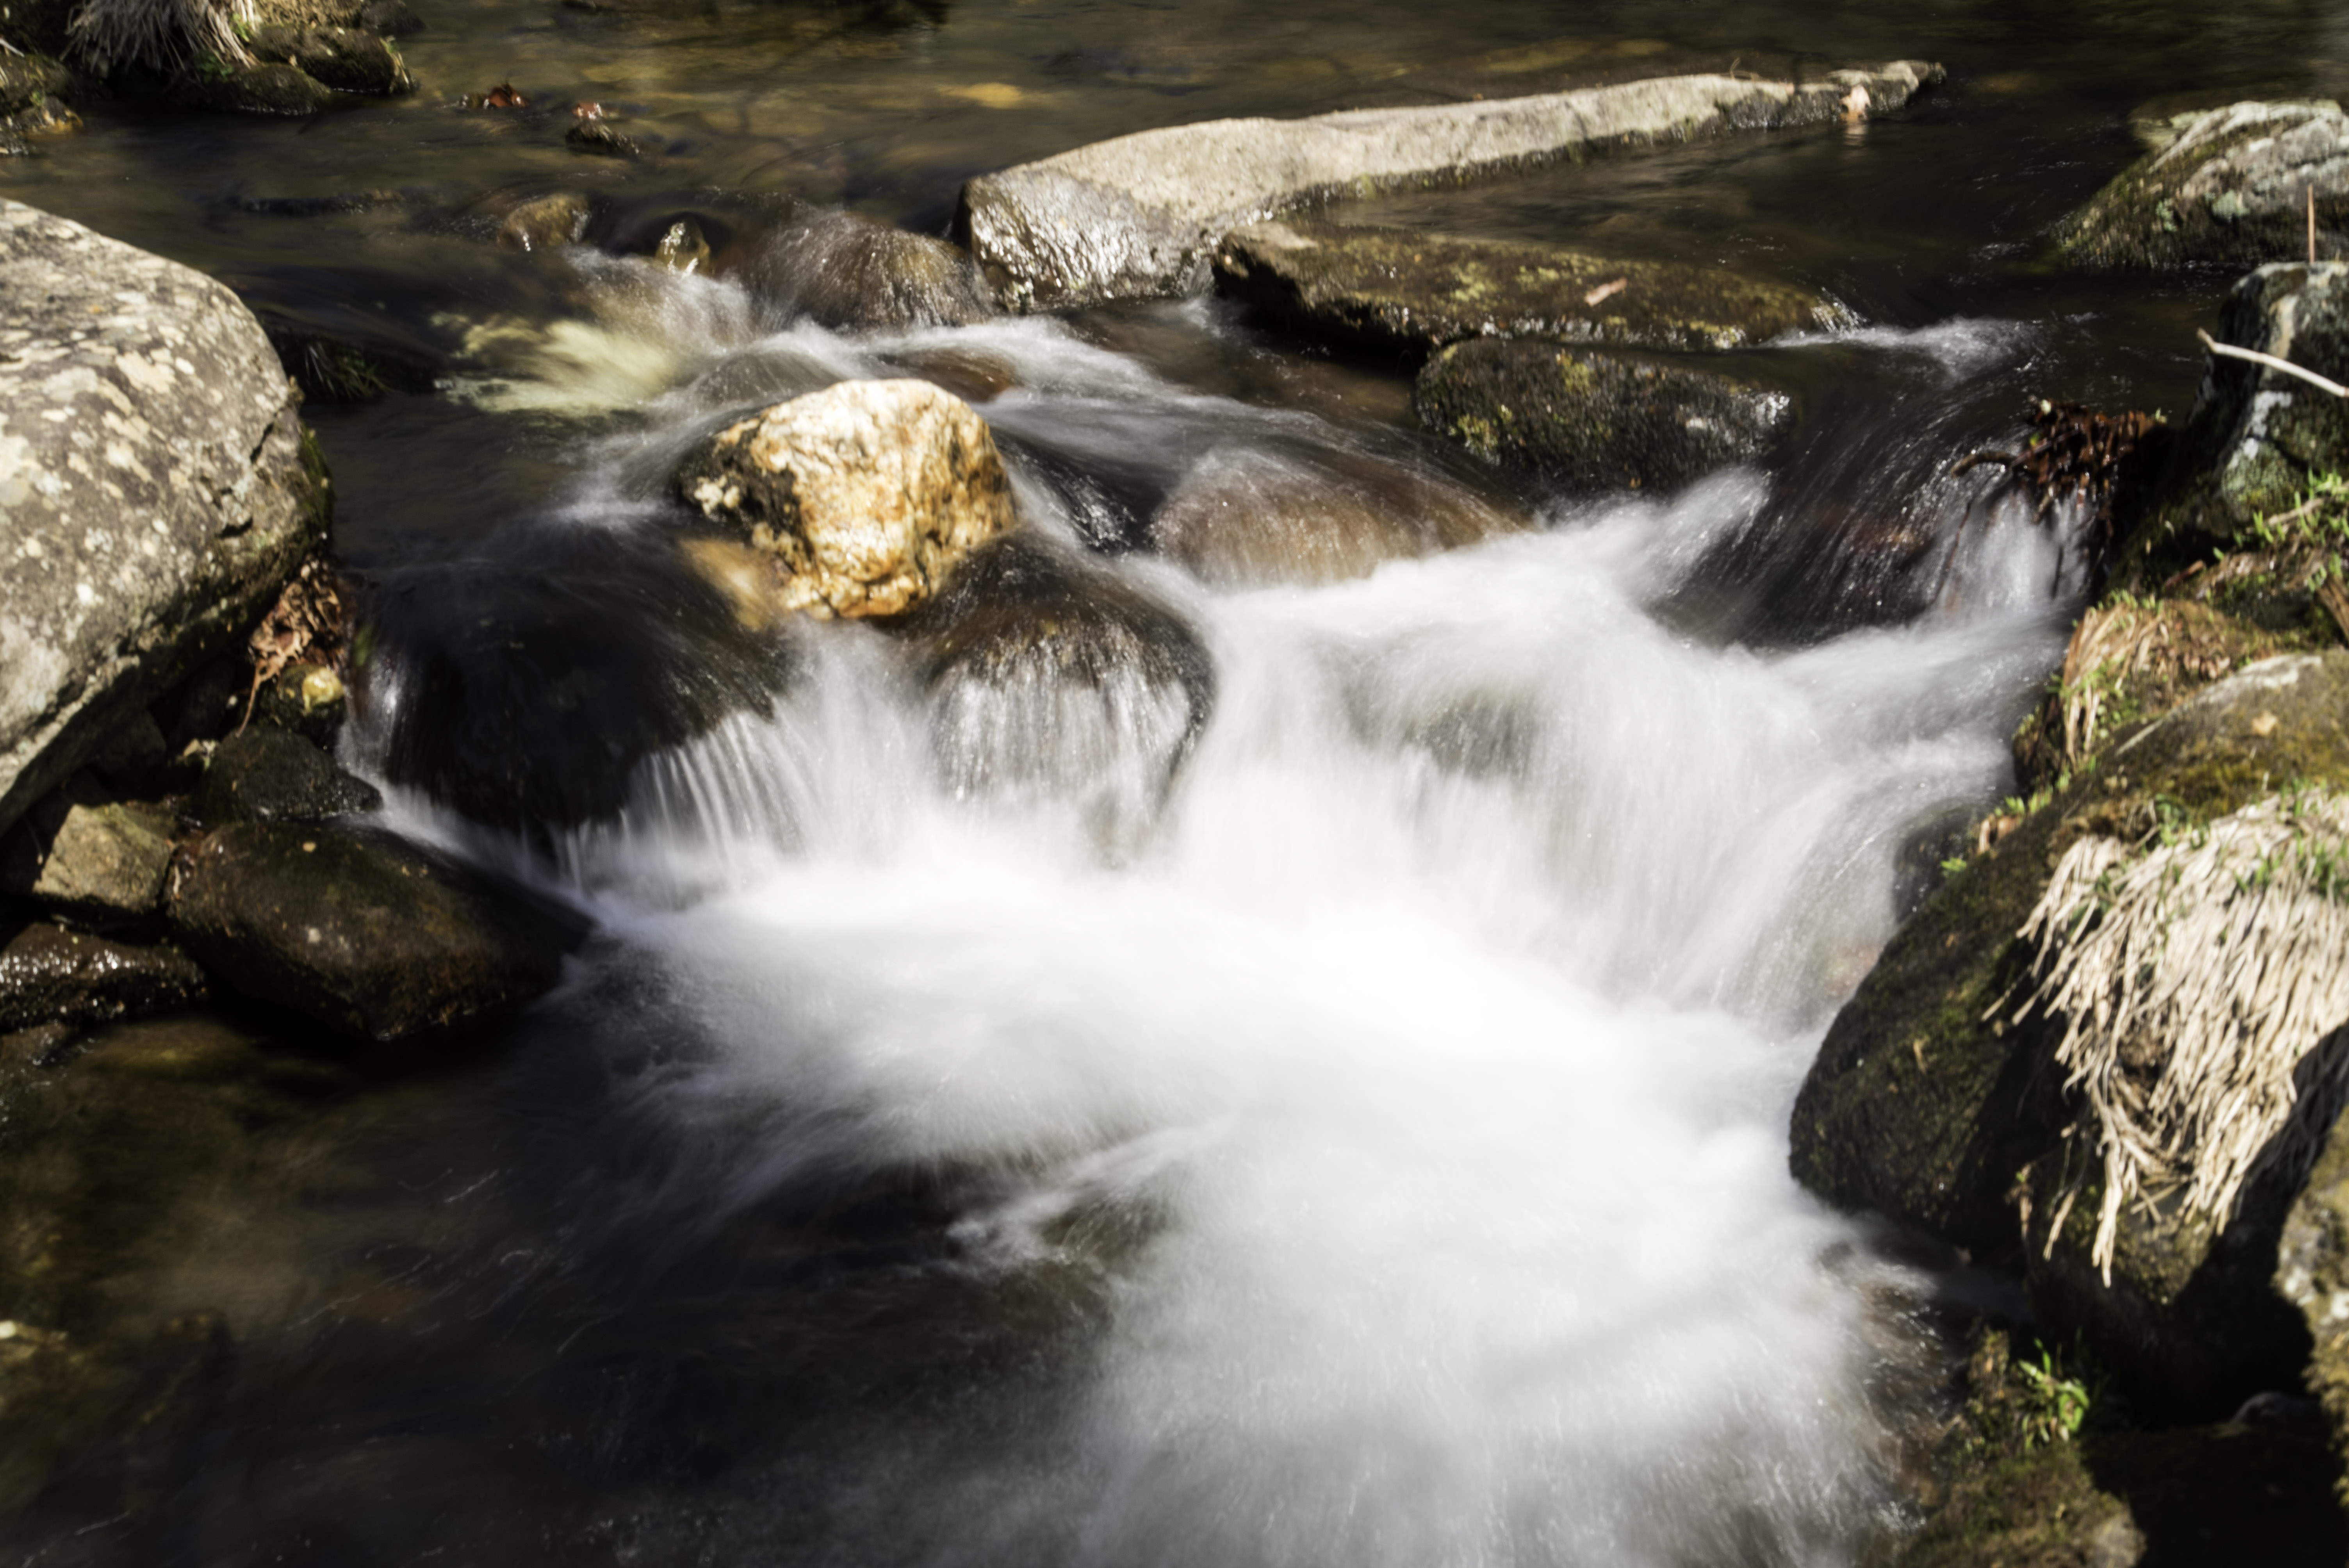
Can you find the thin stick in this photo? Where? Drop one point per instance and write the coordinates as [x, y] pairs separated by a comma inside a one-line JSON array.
[[2272, 363]]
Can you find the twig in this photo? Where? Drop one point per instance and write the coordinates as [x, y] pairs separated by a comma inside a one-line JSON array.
[[2272, 363]]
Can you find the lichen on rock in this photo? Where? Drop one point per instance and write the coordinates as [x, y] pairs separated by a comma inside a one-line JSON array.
[[2230, 189]]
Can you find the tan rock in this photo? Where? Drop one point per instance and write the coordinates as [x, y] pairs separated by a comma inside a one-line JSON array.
[[865, 494]]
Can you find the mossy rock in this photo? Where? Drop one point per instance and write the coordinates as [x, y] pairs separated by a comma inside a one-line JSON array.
[[1400, 290], [2229, 191], [344, 58], [274, 88], [1927, 1100], [1593, 421]]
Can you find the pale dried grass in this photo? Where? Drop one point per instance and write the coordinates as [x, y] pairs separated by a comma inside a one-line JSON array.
[[168, 36], [2193, 980]]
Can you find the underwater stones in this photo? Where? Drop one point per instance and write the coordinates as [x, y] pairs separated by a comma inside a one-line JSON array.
[[344, 58], [51, 975], [2256, 435], [547, 222], [154, 494], [1595, 421], [1052, 681], [2230, 189], [370, 934], [1395, 290], [1241, 518], [271, 775], [866, 494], [1139, 216]]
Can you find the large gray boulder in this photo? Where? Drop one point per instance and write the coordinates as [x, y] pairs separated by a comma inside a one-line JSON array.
[[2230, 189], [1139, 216], [154, 488], [1394, 289], [2257, 435]]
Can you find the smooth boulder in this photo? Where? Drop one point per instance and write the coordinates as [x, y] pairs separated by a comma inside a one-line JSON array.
[[2230, 189], [154, 491], [1399, 291], [375, 936], [1139, 216], [1596, 421], [865, 494]]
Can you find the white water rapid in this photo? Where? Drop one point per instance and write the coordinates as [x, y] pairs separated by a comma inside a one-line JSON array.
[[1408, 1084]]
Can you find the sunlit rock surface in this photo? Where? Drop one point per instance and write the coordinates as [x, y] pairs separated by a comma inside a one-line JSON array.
[[1140, 216], [866, 494], [153, 491], [1392, 289], [2230, 189], [1596, 421]]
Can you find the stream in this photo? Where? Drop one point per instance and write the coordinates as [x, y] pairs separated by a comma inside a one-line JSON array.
[[963, 1142]]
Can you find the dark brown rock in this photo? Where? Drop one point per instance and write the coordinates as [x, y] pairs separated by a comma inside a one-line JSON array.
[[271, 775], [50, 974]]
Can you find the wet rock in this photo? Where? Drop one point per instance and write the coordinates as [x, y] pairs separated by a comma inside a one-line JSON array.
[[308, 700], [969, 374], [1933, 1102], [388, 18], [523, 690], [122, 575], [2230, 189], [34, 94], [2313, 1275], [1243, 518], [2256, 435], [1052, 681], [866, 494], [1393, 290], [1596, 421], [274, 88], [547, 222], [50, 974], [271, 775], [683, 248], [602, 137], [347, 59], [102, 863], [366, 932], [1140, 216], [846, 272]]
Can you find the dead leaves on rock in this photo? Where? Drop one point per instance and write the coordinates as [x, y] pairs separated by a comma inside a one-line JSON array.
[[308, 624]]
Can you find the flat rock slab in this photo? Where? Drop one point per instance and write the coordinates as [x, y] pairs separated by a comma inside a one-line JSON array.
[[153, 491], [1595, 421], [1394, 289], [370, 933], [50, 974], [2231, 190], [1139, 216]]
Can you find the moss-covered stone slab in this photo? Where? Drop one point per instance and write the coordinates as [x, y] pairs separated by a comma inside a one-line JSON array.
[[1927, 1103], [344, 58], [2229, 191], [1400, 290], [270, 86], [1139, 216], [1593, 422]]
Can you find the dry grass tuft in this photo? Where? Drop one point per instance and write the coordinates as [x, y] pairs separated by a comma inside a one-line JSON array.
[[2193, 980], [168, 36]]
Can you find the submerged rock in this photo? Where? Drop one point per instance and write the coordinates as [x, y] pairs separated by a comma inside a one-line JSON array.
[[369, 934], [1596, 421], [271, 775], [268, 88], [845, 272], [346, 58], [1242, 518], [127, 570], [2230, 189], [50, 975], [2257, 436], [1052, 681], [1397, 290], [866, 494], [1139, 216]]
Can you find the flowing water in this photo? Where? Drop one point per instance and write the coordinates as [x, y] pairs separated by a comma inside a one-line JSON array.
[[1026, 1124]]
